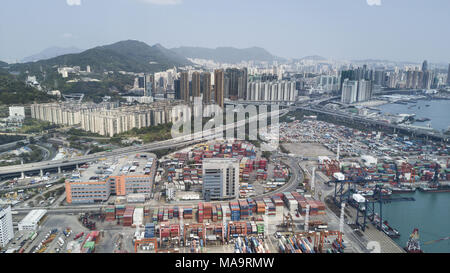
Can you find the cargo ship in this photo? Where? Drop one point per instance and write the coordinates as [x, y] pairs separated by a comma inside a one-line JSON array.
[[386, 228], [440, 188], [403, 190]]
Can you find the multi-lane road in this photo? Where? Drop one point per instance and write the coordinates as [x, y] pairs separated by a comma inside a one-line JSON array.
[[175, 142], [295, 179], [410, 130]]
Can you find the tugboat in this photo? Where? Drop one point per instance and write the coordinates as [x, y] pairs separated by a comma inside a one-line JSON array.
[[413, 244]]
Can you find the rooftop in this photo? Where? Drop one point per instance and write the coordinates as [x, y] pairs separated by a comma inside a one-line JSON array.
[[220, 160], [34, 216], [135, 164]]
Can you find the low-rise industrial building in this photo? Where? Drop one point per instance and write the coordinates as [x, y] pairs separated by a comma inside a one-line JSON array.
[[33, 219], [127, 175]]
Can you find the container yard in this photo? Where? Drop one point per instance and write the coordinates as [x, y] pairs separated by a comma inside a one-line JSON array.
[[262, 218], [182, 171]]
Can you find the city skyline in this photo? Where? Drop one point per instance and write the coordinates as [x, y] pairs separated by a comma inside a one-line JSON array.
[[295, 29]]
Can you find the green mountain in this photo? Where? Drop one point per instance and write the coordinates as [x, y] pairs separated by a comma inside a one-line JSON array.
[[130, 55], [3, 64], [51, 52], [227, 54], [14, 91]]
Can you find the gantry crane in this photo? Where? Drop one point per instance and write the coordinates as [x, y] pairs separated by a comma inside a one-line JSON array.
[[288, 222], [137, 243], [437, 241], [368, 211]]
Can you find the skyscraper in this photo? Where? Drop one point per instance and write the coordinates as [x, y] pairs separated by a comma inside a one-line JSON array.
[[206, 87], [218, 87], [448, 75], [425, 66], [184, 86], [427, 79], [349, 91], [242, 92], [196, 84], [177, 89], [232, 82], [364, 90], [149, 88]]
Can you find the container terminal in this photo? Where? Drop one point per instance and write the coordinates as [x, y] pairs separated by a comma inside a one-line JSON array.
[[322, 193]]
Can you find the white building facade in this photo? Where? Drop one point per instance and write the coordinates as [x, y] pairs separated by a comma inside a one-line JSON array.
[[220, 178], [6, 226]]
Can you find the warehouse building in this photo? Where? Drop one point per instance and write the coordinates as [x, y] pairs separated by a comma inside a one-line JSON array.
[[33, 219], [127, 175]]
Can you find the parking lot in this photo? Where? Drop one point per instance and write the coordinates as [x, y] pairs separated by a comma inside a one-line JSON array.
[[62, 222]]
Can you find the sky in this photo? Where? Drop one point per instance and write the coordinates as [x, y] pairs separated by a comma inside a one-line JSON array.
[[398, 30]]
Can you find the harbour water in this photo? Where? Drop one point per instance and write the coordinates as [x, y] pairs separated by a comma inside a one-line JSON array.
[[438, 112], [430, 213]]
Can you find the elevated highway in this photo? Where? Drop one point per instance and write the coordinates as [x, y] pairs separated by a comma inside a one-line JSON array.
[[57, 165], [396, 128]]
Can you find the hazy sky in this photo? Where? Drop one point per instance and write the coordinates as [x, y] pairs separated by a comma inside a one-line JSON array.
[[402, 30]]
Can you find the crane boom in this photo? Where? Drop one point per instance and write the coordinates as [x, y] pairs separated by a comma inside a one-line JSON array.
[[436, 241]]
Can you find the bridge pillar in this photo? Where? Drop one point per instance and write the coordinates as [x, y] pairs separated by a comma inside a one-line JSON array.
[[22, 175], [77, 166], [59, 169], [41, 172]]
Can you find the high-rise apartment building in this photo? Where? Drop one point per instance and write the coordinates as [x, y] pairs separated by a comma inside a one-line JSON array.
[[184, 86], [206, 87], [364, 90], [448, 75], [149, 86], [220, 178], [425, 66], [196, 87], [219, 79], [349, 91], [276, 91]]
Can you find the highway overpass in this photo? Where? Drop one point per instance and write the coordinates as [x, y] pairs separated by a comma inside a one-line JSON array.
[[58, 165], [367, 121]]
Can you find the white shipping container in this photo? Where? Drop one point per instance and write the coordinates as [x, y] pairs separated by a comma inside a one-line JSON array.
[[339, 176], [359, 198]]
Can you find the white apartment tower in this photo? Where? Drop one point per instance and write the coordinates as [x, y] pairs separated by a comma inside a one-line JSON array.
[[6, 226], [349, 91]]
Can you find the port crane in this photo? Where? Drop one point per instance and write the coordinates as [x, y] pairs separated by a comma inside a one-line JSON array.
[[368, 211], [344, 189], [288, 223], [343, 194]]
